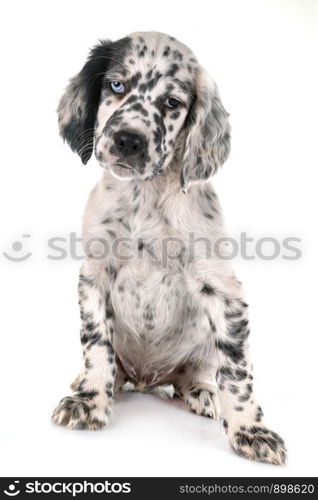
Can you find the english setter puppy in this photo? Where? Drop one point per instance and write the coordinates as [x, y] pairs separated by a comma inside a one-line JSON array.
[[158, 304]]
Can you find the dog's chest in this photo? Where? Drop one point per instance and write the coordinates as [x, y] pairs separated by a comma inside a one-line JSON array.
[[155, 317], [155, 323], [153, 309], [147, 300]]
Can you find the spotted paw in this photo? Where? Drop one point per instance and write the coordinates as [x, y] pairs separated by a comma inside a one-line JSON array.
[[204, 401], [75, 412], [258, 443]]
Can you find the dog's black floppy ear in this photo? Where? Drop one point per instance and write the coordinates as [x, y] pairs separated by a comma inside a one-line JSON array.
[[208, 134], [78, 106]]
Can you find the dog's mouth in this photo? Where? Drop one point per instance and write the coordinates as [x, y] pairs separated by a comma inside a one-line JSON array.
[[122, 165], [121, 169]]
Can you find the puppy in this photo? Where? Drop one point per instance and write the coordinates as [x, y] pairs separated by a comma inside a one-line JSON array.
[[159, 305]]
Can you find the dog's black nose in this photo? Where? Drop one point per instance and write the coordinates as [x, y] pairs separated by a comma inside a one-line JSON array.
[[129, 143]]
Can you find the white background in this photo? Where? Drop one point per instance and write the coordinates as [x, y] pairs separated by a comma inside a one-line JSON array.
[[263, 56]]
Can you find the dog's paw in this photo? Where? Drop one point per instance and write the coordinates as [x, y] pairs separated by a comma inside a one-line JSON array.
[[75, 412], [204, 401], [258, 443]]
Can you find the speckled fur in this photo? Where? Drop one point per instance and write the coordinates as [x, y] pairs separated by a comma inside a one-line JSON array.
[[156, 309]]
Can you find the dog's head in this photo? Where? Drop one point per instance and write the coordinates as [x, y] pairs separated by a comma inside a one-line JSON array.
[[142, 102]]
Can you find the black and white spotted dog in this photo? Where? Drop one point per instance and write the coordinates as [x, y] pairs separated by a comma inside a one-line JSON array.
[[157, 306]]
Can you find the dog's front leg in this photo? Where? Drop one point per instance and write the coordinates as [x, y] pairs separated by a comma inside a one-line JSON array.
[[91, 404], [243, 417]]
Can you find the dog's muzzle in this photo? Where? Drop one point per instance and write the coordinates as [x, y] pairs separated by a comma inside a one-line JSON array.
[[129, 144]]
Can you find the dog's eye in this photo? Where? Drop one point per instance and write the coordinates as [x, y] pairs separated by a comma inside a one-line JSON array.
[[172, 102], [117, 87]]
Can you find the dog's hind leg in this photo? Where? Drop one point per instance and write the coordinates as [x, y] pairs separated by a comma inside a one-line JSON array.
[[196, 388]]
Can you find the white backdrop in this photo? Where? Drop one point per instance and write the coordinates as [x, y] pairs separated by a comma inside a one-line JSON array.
[[262, 54]]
